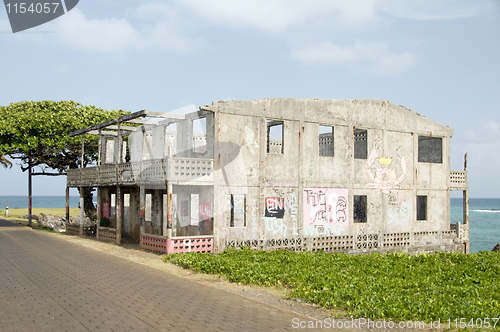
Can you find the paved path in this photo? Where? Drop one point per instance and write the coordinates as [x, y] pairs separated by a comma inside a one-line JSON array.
[[49, 284]]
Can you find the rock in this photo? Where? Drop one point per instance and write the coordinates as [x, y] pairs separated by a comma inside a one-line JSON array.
[[497, 248], [33, 217], [54, 222]]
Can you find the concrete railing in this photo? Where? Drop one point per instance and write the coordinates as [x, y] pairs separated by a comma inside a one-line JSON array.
[[408, 241], [73, 229], [145, 171], [106, 234], [458, 180], [177, 244]]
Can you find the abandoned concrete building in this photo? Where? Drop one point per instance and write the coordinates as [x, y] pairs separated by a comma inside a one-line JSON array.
[[299, 174]]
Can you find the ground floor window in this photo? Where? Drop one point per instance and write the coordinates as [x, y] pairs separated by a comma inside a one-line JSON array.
[[359, 208], [421, 207]]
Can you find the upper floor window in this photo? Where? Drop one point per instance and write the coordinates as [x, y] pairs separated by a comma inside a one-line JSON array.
[[430, 149], [326, 141], [275, 136], [360, 144]]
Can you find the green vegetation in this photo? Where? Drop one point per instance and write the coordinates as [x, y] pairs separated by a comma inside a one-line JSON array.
[[391, 286], [36, 133], [19, 213]]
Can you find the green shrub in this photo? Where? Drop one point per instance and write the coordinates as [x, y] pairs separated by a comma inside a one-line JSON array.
[[392, 286], [104, 222]]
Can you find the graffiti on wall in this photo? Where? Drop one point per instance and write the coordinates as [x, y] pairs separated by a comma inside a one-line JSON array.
[[326, 206], [384, 177], [105, 209], [283, 202], [400, 214], [275, 207], [205, 211]]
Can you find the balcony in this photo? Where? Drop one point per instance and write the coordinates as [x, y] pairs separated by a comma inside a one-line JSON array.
[[143, 172], [458, 180]]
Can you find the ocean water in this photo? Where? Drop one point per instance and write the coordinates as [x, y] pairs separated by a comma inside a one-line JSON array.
[[48, 202], [484, 221], [484, 215]]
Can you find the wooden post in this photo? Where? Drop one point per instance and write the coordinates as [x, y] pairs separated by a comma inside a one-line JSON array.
[[67, 205], [83, 150], [466, 204], [82, 210], [142, 207], [29, 191], [99, 148], [119, 144], [82, 195], [99, 211], [119, 214], [466, 194]]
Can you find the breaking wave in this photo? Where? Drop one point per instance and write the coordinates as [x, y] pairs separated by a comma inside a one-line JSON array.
[[488, 211]]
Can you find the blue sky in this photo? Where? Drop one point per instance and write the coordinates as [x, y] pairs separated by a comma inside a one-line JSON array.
[[439, 58]]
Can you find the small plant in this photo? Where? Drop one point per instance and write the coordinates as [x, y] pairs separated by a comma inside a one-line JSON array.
[[104, 222]]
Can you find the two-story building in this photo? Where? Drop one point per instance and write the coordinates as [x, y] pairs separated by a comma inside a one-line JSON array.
[[301, 174]]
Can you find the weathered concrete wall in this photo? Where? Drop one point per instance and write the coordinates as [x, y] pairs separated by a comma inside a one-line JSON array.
[[281, 189]]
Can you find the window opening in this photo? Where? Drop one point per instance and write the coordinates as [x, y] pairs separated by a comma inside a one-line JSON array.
[[195, 209], [199, 140], [236, 204], [360, 209], [326, 141], [430, 149], [360, 144], [275, 136], [421, 207]]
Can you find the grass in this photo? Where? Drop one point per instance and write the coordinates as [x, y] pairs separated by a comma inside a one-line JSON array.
[[16, 216], [378, 286], [19, 213]]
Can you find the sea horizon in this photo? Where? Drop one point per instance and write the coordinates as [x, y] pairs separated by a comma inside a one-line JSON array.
[[484, 215]]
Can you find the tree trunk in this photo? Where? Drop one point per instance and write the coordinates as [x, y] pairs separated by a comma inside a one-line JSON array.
[[90, 209]]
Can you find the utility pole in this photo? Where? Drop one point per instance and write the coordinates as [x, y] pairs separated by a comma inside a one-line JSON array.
[[29, 191]]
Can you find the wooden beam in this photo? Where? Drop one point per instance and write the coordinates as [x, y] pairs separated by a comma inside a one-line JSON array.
[[115, 127], [124, 118], [103, 133], [165, 115]]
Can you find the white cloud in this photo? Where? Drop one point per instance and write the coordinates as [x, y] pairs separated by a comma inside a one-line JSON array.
[[438, 9], [167, 28], [108, 35], [162, 29], [492, 125], [372, 57], [278, 16]]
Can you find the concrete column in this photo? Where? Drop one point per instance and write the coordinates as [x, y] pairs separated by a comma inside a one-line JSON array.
[[82, 210], [142, 207], [119, 214], [170, 212]]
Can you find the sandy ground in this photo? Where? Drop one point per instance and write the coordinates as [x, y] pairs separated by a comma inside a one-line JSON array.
[[271, 296]]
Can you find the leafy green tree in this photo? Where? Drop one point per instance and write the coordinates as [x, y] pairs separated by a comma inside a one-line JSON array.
[[36, 133], [5, 162]]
